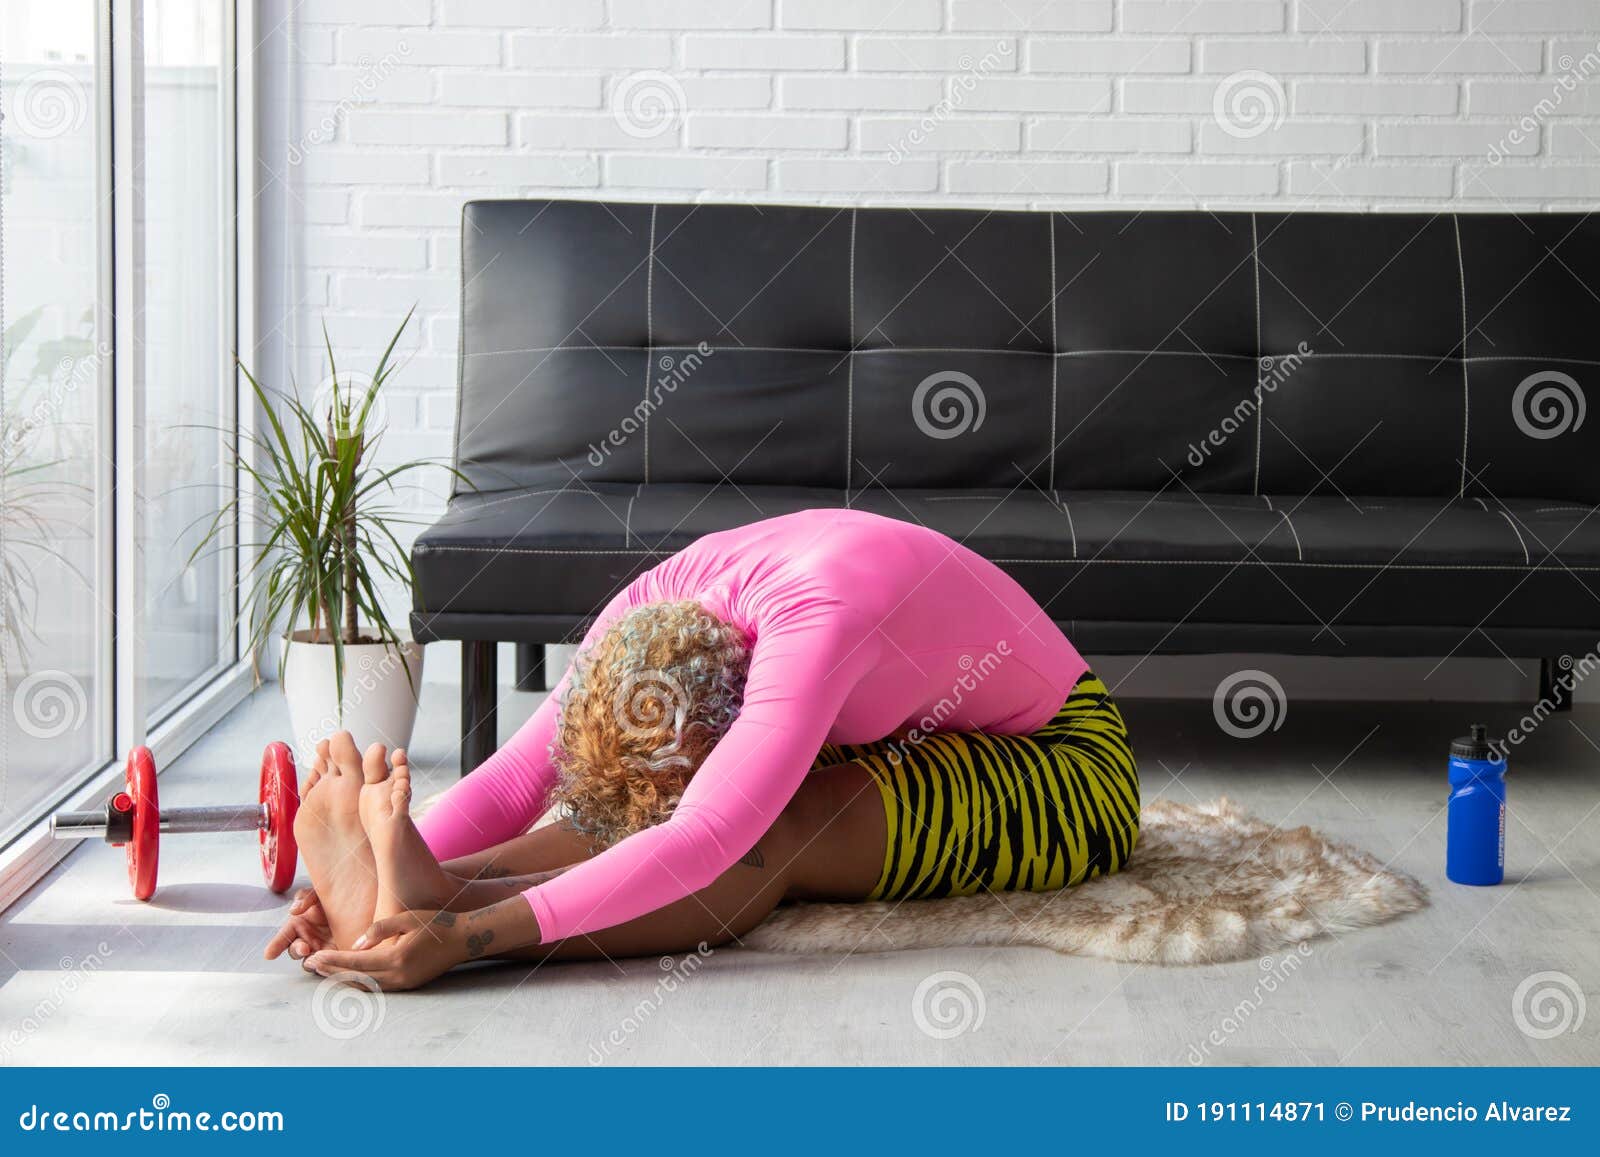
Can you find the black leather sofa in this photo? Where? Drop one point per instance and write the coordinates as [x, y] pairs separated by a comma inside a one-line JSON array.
[[1312, 433]]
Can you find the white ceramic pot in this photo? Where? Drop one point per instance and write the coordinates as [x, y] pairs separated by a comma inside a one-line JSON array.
[[379, 703]]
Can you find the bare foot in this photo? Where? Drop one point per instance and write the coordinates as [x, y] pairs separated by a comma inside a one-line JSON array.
[[409, 877], [333, 844]]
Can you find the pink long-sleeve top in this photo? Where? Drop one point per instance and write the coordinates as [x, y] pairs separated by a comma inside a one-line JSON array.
[[861, 627]]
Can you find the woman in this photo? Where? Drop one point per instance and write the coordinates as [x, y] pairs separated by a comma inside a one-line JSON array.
[[825, 705]]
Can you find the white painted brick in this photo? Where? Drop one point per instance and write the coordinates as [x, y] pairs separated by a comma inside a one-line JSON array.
[[587, 131], [1028, 94], [352, 85], [521, 89], [762, 53], [770, 131], [1318, 16], [851, 175], [1118, 57], [909, 134], [583, 51], [1579, 58], [849, 15], [409, 209], [1375, 98], [1288, 138], [1535, 182], [1458, 56], [658, 171], [1190, 180], [444, 250], [1110, 136], [1031, 15], [1027, 177], [1537, 98], [427, 128], [322, 206], [935, 54], [1314, 179], [1169, 96], [347, 249], [351, 167], [1575, 141], [1187, 17], [439, 412], [417, 47], [859, 92], [523, 13], [502, 168], [399, 294], [1521, 16], [1313, 56], [313, 45], [360, 12], [675, 15], [1451, 140], [710, 92]]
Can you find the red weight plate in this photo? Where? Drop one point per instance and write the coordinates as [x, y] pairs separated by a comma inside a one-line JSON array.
[[144, 844], [280, 792]]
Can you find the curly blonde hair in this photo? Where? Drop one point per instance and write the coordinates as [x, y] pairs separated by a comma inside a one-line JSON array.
[[644, 706]]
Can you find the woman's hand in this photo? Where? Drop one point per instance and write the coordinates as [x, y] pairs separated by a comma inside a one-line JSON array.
[[408, 950], [304, 931]]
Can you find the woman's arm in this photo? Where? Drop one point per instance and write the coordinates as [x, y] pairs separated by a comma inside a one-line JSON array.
[[801, 672]]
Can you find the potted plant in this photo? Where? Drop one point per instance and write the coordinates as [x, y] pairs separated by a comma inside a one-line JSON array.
[[327, 522]]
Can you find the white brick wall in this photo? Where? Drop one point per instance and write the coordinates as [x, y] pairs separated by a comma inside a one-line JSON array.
[[384, 115]]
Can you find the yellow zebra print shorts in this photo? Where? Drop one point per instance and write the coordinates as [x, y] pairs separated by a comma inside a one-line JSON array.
[[969, 812]]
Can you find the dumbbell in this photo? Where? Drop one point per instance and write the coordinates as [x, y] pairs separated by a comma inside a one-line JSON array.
[[132, 818]]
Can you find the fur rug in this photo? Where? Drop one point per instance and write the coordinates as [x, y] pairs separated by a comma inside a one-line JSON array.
[[1208, 883]]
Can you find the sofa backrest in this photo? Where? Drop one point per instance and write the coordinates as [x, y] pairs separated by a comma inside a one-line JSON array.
[[1370, 354]]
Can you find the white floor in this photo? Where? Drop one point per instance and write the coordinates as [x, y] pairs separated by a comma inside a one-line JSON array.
[[87, 975]]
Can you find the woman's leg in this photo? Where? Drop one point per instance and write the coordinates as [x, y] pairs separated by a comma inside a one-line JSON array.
[[827, 844]]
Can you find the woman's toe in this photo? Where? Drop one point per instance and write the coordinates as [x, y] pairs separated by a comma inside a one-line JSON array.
[[375, 764]]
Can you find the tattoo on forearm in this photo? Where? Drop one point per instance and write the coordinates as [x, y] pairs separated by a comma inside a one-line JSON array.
[[444, 919], [753, 858], [478, 943], [493, 872]]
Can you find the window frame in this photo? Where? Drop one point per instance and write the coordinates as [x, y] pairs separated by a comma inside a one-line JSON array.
[[121, 721]]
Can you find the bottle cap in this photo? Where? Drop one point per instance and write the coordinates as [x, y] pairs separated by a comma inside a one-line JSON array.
[[1473, 746]]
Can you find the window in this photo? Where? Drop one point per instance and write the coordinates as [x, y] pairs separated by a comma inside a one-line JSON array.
[[118, 259]]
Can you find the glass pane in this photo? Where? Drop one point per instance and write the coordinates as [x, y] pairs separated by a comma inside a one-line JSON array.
[[188, 341], [53, 630]]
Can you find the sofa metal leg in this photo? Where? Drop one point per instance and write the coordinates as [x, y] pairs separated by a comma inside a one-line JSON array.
[[478, 677], [1549, 689], [530, 667]]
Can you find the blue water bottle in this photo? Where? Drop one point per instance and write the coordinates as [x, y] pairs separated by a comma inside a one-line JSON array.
[[1477, 838]]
